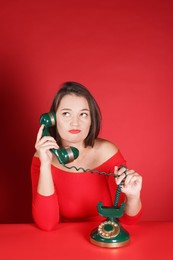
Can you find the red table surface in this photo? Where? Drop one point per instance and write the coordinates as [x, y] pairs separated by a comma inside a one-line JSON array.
[[148, 240]]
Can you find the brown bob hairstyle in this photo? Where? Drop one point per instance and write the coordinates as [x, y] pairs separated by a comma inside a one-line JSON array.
[[79, 90]]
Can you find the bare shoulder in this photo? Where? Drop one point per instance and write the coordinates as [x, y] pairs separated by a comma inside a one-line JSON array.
[[105, 148]]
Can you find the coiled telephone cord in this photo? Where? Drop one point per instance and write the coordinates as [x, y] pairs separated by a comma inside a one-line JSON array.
[[119, 187]]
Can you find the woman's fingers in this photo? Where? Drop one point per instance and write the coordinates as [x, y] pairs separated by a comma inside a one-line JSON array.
[[120, 174], [44, 143], [39, 134]]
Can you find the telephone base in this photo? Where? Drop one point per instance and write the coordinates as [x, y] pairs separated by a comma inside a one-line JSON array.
[[110, 234], [109, 245]]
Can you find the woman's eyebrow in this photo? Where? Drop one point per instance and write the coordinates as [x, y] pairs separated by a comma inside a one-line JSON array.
[[69, 109], [85, 109], [66, 109]]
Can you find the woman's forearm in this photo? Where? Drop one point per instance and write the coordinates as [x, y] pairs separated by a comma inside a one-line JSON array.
[[45, 182], [133, 206]]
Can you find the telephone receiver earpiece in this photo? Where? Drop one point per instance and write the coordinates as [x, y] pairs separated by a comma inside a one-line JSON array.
[[63, 154], [48, 119]]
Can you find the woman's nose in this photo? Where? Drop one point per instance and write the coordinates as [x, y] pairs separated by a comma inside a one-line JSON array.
[[75, 120]]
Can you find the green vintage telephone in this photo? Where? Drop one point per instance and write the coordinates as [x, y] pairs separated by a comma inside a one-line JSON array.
[[109, 233]]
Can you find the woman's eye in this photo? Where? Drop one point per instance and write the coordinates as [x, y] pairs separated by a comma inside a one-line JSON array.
[[66, 114], [84, 114]]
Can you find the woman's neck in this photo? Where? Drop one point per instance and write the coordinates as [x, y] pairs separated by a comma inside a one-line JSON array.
[[80, 146]]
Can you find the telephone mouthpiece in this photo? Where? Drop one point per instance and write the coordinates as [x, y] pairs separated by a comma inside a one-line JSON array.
[[66, 154], [75, 152]]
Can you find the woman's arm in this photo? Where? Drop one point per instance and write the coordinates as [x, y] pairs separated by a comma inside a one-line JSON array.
[[45, 206], [132, 184]]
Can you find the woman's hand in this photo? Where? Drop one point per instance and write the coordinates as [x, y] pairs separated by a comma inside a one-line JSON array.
[[132, 182], [43, 146]]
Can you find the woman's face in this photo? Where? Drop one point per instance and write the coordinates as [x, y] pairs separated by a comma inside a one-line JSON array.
[[73, 119]]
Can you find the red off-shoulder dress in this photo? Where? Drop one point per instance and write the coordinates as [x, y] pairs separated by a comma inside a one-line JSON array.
[[76, 195]]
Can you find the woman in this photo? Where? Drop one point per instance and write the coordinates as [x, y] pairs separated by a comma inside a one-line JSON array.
[[60, 194]]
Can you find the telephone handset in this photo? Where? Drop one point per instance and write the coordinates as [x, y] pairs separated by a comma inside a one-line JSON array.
[[109, 233], [63, 154]]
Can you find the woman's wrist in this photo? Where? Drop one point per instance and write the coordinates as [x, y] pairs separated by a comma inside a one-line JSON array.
[[133, 205], [45, 182], [45, 165]]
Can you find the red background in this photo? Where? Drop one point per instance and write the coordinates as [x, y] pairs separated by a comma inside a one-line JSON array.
[[122, 51]]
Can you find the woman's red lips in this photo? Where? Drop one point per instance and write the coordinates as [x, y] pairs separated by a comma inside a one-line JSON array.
[[74, 131]]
